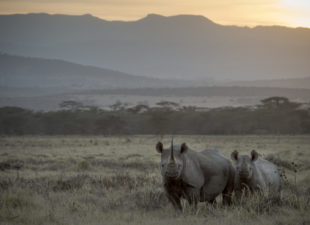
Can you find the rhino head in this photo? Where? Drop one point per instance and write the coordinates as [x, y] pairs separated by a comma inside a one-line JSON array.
[[244, 164], [171, 159]]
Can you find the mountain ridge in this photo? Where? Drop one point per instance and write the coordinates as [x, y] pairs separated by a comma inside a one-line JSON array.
[[32, 72], [181, 46], [149, 16]]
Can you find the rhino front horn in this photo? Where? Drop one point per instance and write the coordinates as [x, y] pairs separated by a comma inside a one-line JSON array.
[[172, 156]]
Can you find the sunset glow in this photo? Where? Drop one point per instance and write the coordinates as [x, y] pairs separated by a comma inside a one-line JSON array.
[[298, 11], [237, 12]]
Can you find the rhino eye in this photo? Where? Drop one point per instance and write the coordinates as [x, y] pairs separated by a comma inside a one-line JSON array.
[[162, 165]]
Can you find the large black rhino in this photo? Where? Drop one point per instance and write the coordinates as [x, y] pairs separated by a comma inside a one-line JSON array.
[[255, 174], [195, 176]]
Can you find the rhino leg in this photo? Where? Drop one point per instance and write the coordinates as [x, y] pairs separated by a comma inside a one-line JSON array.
[[212, 189], [227, 193], [192, 196], [175, 200], [212, 202], [238, 193]]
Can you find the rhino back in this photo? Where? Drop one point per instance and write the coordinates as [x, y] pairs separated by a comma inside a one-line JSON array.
[[214, 160], [200, 166]]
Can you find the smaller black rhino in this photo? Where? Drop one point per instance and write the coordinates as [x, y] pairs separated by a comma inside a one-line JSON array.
[[254, 174], [195, 176]]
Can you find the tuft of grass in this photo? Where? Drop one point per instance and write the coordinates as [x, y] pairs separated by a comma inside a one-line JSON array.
[[83, 165], [150, 199], [11, 164], [120, 165], [16, 199], [70, 184], [280, 162], [125, 181]]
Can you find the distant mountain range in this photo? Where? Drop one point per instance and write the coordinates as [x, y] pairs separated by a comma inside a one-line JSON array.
[[57, 76], [42, 84], [38, 76], [184, 46]]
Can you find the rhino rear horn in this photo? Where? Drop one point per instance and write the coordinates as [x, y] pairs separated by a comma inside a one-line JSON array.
[[159, 147], [234, 155], [254, 155], [183, 148]]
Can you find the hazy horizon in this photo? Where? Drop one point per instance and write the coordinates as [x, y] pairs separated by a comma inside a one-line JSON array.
[[157, 14], [226, 12]]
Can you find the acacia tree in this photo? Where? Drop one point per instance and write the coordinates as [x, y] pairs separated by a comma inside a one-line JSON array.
[[71, 105], [118, 106], [168, 105], [140, 108], [277, 102]]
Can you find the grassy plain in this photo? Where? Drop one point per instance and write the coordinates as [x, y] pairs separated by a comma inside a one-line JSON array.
[[116, 180]]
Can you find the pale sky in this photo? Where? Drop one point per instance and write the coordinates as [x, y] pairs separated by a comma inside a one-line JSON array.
[[233, 12]]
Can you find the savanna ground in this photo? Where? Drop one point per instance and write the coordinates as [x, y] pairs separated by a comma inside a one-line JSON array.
[[116, 180]]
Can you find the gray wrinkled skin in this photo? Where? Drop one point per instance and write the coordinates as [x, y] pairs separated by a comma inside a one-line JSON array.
[[254, 174], [195, 176]]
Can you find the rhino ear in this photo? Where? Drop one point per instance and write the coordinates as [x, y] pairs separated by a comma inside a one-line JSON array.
[[254, 155], [234, 155], [159, 147], [184, 148]]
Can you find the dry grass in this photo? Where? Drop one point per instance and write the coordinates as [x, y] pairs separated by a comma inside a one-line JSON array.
[[110, 180]]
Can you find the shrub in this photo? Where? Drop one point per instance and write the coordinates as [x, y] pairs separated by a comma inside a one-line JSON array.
[[84, 165]]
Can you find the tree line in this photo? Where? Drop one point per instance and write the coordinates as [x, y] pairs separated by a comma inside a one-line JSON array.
[[274, 115]]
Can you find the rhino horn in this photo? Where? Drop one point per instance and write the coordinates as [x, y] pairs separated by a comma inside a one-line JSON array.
[[172, 156]]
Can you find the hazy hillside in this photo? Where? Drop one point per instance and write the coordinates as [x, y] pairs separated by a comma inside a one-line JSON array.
[[24, 74], [190, 47], [208, 92], [281, 83]]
